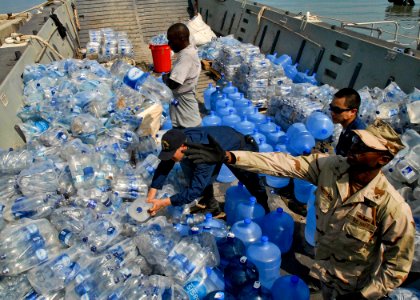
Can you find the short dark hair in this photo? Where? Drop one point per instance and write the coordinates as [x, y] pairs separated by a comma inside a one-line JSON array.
[[181, 30], [352, 97]]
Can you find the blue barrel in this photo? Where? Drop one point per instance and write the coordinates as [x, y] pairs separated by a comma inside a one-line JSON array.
[[211, 120], [229, 248], [249, 209], [294, 128], [235, 95], [310, 227], [301, 143], [279, 227], [238, 273], [225, 175], [272, 57], [221, 102], [233, 196], [267, 257], [290, 287], [225, 110], [291, 71], [263, 146], [267, 127], [273, 138], [247, 231], [214, 98], [256, 117], [210, 222], [277, 181], [258, 136], [284, 60]]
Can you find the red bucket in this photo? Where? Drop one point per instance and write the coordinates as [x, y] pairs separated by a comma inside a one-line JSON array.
[[161, 58]]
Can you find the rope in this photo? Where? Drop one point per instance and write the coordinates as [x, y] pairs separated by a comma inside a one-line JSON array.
[[259, 16], [64, 2], [18, 38]]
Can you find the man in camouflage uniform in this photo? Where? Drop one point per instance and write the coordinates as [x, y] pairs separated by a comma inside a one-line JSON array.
[[365, 230]]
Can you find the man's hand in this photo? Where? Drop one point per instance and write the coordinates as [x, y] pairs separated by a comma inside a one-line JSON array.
[[210, 154], [158, 204]]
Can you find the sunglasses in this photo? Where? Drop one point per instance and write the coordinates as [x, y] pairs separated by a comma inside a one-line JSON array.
[[338, 110]]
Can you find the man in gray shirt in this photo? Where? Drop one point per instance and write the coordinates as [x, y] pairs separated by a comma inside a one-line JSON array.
[[183, 78]]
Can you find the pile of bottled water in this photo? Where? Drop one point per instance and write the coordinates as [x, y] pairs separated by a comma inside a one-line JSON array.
[[160, 39], [105, 44]]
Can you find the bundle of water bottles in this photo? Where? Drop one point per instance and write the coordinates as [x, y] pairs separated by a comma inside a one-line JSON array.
[[105, 44], [160, 39]]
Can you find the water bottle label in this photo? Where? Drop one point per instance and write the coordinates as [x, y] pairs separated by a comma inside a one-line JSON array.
[[41, 255], [195, 290], [64, 236], [62, 261], [408, 172], [32, 295], [134, 73], [107, 203], [74, 269], [393, 112], [110, 230], [22, 214]]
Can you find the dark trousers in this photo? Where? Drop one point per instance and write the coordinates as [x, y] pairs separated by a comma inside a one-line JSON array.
[[250, 180]]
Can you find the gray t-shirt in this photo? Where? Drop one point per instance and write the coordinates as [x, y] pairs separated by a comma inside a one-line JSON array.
[[186, 69]]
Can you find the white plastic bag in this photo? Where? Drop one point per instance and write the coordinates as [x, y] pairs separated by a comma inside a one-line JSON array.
[[200, 32]]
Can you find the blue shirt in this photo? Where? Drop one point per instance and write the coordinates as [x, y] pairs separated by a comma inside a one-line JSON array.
[[199, 175], [346, 136]]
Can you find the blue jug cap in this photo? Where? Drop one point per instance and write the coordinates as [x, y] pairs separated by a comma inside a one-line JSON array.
[[243, 259], [195, 230], [230, 236], [264, 239], [256, 285], [247, 221], [252, 200], [294, 279], [209, 216], [279, 210]]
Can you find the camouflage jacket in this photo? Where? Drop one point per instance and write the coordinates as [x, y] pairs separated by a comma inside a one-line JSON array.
[[364, 242]]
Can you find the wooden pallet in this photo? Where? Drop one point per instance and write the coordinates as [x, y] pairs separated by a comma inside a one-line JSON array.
[[207, 66]]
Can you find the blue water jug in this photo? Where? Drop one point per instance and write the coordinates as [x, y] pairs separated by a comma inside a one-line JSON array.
[[295, 128], [254, 291], [267, 126], [202, 284], [277, 181], [247, 231], [231, 120], [304, 190], [312, 79], [245, 127], [207, 96], [310, 227], [320, 125], [256, 117], [301, 143], [250, 209], [211, 120], [301, 77], [291, 71], [273, 138], [229, 88], [233, 196], [225, 110], [267, 257], [214, 98], [229, 248], [241, 102], [225, 175], [238, 273], [222, 102], [272, 57], [279, 226], [281, 148], [259, 136], [211, 222], [222, 82], [264, 147], [290, 287], [246, 110], [284, 60], [234, 96]]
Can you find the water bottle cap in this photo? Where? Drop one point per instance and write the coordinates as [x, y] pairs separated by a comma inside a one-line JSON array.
[[93, 248], [230, 236], [219, 295], [256, 285], [243, 259], [139, 209], [195, 230], [294, 279], [252, 200], [264, 239], [247, 221], [279, 210]]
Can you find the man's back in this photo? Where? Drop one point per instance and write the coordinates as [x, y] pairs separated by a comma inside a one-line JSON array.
[[228, 138]]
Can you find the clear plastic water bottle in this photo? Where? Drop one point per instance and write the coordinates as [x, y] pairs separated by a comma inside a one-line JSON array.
[[40, 177], [267, 257], [247, 231], [100, 234], [290, 287], [14, 287]]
